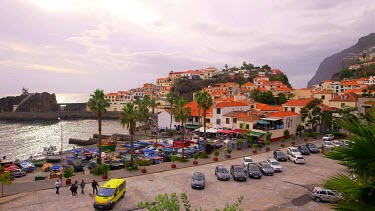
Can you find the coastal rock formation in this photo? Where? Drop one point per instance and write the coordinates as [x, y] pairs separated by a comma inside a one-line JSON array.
[[39, 102], [339, 61], [7, 103]]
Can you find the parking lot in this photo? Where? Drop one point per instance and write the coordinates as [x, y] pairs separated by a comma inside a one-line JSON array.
[[286, 190]]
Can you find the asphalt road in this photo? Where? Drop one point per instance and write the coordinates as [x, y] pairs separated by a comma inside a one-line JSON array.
[[283, 191]]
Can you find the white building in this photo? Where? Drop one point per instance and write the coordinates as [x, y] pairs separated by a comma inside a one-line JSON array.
[[220, 109]]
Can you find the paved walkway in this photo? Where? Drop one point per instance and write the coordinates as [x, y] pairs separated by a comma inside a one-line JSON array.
[[10, 191]]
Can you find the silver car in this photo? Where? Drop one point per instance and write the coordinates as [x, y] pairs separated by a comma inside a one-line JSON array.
[[275, 165], [222, 173], [198, 181], [320, 194], [19, 173]]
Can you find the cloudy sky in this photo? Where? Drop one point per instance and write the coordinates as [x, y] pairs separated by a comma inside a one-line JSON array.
[[72, 46]]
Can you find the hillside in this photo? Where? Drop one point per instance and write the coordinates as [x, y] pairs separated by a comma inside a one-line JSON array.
[[341, 60]]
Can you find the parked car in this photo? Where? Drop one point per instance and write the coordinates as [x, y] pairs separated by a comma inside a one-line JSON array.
[[198, 181], [312, 148], [296, 158], [338, 143], [275, 165], [328, 137], [320, 194], [293, 150], [279, 155], [327, 145], [18, 173], [266, 168], [246, 161], [238, 173], [114, 165], [304, 150], [222, 173], [347, 143], [253, 171]]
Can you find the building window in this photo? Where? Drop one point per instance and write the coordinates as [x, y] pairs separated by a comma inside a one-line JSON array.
[[234, 120], [293, 109], [218, 111], [196, 119], [323, 97], [247, 126], [227, 120], [342, 105], [207, 120], [285, 108], [218, 121]]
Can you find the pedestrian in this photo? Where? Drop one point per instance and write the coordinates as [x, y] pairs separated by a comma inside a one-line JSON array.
[[57, 185], [95, 186], [72, 188], [75, 187], [82, 187]]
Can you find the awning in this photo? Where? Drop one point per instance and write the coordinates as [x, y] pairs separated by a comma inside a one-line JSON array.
[[191, 126], [255, 133], [225, 131], [263, 122]]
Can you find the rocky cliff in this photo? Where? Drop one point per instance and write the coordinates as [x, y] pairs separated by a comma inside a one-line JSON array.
[[39, 102], [337, 62], [7, 103]]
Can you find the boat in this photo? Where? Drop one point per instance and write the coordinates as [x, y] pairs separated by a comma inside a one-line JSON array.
[[27, 166], [38, 159], [52, 154], [108, 144]]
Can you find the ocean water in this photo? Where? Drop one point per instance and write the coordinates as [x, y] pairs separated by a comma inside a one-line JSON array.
[[20, 139]]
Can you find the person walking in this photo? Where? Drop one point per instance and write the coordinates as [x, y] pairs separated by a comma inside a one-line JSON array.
[[95, 186], [72, 188], [57, 185], [82, 186], [75, 187]]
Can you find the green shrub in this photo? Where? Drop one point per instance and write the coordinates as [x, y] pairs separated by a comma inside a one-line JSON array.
[[196, 156], [305, 134], [174, 158], [314, 134], [338, 134], [268, 142], [239, 142], [104, 168], [216, 153], [286, 133], [97, 171], [68, 172], [293, 137], [282, 139], [203, 155], [144, 163], [255, 145], [229, 150]]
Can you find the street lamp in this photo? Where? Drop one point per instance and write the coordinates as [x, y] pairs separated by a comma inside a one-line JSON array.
[[61, 136]]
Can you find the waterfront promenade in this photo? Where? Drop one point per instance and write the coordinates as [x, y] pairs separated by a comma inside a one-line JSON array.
[[17, 189]]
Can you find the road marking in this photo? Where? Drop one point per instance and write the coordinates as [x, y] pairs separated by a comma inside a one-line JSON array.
[[148, 193], [170, 186], [187, 184], [218, 188]]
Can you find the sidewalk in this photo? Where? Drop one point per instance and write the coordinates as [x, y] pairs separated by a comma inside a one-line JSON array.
[[10, 191]]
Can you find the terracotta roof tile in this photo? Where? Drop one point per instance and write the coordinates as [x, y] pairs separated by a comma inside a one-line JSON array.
[[282, 114], [325, 91], [301, 103], [346, 97], [229, 104]]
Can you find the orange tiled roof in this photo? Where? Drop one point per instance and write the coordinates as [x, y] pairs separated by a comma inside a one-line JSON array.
[[349, 83], [282, 114], [229, 104], [301, 103], [112, 94], [324, 91], [346, 97], [354, 90], [265, 107], [248, 117], [248, 84], [303, 89], [370, 103], [327, 81], [194, 111], [285, 89]]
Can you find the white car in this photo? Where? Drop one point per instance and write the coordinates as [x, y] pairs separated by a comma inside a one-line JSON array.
[[337, 143], [275, 165], [293, 150], [246, 161], [328, 145], [296, 158], [328, 137]]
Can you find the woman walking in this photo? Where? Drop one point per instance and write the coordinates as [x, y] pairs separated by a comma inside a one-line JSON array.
[[82, 186]]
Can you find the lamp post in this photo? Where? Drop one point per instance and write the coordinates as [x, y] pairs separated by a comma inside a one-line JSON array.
[[61, 136]]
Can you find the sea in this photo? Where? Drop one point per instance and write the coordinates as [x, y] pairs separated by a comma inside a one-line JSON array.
[[20, 139]]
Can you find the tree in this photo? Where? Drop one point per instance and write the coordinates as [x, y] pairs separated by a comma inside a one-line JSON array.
[[97, 103], [171, 97], [144, 113], [356, 194], [313, 112], [281, 98], [255, 94], [181, 114], [266, 67], [129, 117], [172, 202], [205, 102], [153, 105]]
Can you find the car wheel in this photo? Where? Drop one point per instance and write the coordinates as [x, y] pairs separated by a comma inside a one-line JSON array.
[[123, 195], [317, 199], [295, 162]]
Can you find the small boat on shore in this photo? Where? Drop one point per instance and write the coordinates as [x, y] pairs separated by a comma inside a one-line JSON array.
[[38, 159], [52, 154], [27, 166], [108, 144]]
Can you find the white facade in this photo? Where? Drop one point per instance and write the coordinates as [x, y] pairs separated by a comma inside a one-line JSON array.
[[218, 113], [164, 120]]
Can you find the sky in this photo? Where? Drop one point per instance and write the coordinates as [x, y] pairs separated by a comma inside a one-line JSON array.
[[72, 46]]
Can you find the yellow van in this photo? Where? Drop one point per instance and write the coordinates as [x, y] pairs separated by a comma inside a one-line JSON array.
[[110, 193]]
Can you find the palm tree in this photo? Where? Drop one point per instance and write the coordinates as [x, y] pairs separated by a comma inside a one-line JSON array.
[[153, 104], [181, 114], [171, 98], [98, 104], [205, 102], [359, 157], [144, 113], [129, 117]]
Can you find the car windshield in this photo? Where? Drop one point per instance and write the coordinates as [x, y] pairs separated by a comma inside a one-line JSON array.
[[222, 170], [303, 147], [266, 165], [236, 169], [295, 150], [275, 163], [279, 153], [248, 160], [328, 143], [312, 146], [106, 192], [254, 168], [300, 158], [198, 177]]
